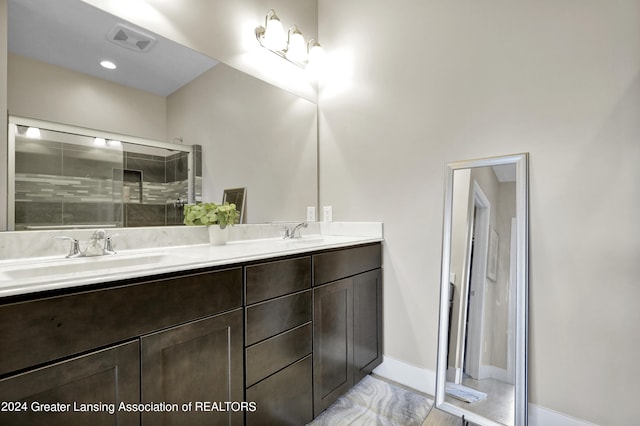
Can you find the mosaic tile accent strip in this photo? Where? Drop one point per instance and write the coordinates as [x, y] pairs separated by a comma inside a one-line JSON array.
[[37, 187], [49, 188]]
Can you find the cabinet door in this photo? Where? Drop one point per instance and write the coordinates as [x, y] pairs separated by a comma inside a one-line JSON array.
[[332, 342], [367, 323], [201, 361], [98, 382]]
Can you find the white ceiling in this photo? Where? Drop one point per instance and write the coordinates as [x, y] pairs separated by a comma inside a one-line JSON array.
[[74, 35]]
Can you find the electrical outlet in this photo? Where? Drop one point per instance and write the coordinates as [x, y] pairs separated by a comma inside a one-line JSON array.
[[311, 214], [327, 214]]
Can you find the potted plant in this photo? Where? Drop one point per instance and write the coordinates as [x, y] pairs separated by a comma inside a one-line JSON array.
[[216, 217]]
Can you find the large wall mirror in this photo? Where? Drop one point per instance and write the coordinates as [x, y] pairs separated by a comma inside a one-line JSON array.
[[482, 343], [253, 135]]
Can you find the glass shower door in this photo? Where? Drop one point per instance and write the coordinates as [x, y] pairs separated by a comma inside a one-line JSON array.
[[65, 180]]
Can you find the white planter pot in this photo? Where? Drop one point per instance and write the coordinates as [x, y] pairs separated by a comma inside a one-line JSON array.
[[218, 236]]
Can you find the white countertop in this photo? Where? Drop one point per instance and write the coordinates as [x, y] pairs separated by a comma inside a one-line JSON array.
[[39, 274]]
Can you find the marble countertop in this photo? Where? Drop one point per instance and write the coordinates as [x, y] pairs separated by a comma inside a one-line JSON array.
[[22, 276]]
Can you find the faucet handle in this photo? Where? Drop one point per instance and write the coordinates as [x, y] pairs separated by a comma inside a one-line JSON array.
[[74, 250], [108, 248]]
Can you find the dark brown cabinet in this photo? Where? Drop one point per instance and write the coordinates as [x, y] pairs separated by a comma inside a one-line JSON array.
[[185, 345], [332, 342], [278, 342], [347, 321], [367, 323], [84, 390], [198, 361], [44, 329], [283, 398]]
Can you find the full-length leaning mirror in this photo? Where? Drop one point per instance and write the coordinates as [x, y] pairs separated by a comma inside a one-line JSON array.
[[482, 341]]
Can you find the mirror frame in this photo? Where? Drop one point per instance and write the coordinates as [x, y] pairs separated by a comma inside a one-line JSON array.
[[522, 288]]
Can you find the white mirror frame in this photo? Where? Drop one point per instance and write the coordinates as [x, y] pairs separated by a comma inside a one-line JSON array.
[[522, 286]]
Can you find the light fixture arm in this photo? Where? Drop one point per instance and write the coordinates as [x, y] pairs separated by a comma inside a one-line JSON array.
[[271, 14]]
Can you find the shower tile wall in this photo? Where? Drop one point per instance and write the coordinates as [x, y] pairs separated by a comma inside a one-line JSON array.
[[164, 181], [63, 184], [60, 184]]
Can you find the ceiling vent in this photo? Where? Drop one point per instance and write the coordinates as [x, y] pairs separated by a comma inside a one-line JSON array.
[[130, 38]]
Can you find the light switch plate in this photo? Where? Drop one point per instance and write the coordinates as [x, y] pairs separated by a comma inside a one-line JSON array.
[[327, 214], [311, 214]]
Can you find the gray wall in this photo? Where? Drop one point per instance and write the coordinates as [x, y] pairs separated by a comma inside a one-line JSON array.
[[255, 136], [420, 83], [52, 93]]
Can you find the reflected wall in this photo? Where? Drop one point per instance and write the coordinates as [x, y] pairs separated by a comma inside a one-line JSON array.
[[254, 136]]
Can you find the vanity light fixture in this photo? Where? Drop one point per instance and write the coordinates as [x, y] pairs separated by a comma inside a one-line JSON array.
[[114, 144], [99, 141], [293, 48]]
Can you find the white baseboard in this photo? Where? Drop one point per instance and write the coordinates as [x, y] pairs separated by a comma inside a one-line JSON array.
[[409, 375], [493, 372], [540, 416], [424, 380]]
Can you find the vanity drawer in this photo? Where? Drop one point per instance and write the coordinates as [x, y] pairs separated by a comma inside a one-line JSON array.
[[46, 329], [335, 265], [269, 318], [285, 398], [269, 356], [273, 279]]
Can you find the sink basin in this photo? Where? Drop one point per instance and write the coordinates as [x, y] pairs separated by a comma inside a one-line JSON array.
[[305, 240], [84, 265]]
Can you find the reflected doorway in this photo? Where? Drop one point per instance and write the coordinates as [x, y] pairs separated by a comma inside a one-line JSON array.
[[475, 285]]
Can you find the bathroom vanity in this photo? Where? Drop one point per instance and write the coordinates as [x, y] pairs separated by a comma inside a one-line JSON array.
[[269, 338]]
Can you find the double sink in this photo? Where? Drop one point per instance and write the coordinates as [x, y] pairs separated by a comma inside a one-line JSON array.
[[40, 274]]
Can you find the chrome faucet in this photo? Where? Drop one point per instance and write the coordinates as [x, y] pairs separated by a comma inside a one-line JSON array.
[[291, 233], [74, 251], [94, 248]]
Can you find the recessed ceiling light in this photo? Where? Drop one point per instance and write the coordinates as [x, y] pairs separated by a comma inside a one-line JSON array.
[[108, 65]]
